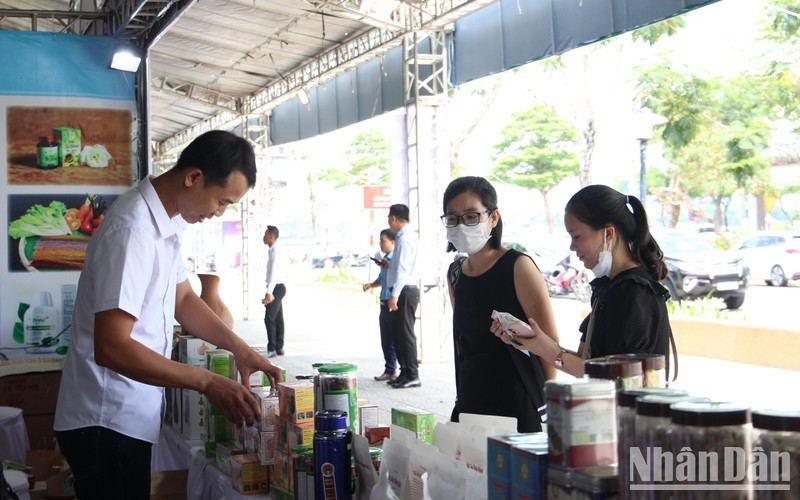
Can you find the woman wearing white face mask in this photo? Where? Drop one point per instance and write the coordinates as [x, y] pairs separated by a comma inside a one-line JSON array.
[[611, 236], [491, 377]]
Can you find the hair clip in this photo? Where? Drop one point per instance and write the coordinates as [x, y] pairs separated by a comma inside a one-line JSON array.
[[628, 203]]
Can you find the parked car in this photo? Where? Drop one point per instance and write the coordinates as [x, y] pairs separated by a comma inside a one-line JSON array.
[[773, 257], [547, 256], [339, 259], [697, 269]]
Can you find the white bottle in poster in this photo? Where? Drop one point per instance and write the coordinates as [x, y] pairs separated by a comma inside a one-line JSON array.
[[41, 324], [67, 305]]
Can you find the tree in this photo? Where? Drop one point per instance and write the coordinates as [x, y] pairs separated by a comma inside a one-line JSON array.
[[536, 152], [368, 155]]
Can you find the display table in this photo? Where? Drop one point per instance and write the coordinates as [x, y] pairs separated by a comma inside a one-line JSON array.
[[205, 482], [13, 435]]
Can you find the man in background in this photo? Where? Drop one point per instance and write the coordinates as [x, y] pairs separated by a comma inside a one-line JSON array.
[[403, 299], [387, 239], [276, 290]]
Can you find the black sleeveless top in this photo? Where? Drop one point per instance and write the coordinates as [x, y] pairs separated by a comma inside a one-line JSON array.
[[489, 372]]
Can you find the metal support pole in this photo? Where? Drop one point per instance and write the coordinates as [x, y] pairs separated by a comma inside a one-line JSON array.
[[642, 169]]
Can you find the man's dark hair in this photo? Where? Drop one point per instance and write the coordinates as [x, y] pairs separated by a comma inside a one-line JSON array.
[[273, 231], [218, 154], [400, 211], [390, 235]]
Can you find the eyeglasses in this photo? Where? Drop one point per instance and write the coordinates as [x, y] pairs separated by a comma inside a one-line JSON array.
[[468, 219]]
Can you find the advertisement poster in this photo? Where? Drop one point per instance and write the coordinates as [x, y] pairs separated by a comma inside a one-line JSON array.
[[66, 153]]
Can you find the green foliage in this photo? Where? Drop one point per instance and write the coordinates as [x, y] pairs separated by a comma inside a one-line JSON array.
[[337, 275], [536, 150], [707, 307], [652, 33], [783, 18], [368, 155]]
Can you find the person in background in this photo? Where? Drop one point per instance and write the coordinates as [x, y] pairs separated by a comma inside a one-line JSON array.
[[492, 378], [403, 275], [387, 239], [276, 291], [132, 288], [611, 236]]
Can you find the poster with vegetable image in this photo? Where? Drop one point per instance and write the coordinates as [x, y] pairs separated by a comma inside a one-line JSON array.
[[51, 232], [68, 147]]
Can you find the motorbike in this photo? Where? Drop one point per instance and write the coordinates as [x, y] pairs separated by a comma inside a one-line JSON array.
[[566, 279]]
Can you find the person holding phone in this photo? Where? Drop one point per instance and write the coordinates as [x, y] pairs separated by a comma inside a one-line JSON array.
[[387, 239]]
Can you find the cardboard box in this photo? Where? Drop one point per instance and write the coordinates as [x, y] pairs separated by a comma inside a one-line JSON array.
[[223, 456], [269, 403], [418, 421], [367, 417], [296, 401], [69, 146], [194, 415], [529, 471], [34, 393], [498, 466], [192, 350], [221, 362], [291, 434], [248, 476], [376, 435], [168, 485], [282, 476]]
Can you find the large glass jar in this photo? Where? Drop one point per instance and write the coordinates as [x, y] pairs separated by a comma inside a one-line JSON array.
[[595, 483], [626, 425], [624, 372], [338, 390], [653, 371], [711, 445], [776, 434], [652, 434]]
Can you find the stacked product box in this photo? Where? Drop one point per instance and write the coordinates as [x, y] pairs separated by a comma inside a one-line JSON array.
[[367, 416], [261, 437], [500, 470], [248, 475], [295, 427], [218, 428], [418, 421], [192, 414]]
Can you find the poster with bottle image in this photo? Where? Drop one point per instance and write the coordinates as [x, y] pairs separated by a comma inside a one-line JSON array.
[[68, 147]]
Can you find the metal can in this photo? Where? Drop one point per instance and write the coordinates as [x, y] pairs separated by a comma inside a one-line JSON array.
[[333, 479]]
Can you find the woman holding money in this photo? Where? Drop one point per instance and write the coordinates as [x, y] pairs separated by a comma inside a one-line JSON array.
[[492, 378]]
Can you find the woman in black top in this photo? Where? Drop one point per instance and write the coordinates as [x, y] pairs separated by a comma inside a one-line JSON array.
[[611, 236], [491, 377]]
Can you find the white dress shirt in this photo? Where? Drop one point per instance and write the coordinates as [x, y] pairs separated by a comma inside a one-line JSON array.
[[276, 267], [133, 263], [403, 268]]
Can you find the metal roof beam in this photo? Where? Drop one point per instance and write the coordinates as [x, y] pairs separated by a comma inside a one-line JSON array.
[[195, 93]]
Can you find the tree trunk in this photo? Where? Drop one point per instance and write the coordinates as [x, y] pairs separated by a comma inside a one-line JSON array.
[[455, 146], [587, 153], [550, 226]]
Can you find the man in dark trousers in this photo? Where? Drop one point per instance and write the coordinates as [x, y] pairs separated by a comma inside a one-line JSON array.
[[276, 290], [404, 297]]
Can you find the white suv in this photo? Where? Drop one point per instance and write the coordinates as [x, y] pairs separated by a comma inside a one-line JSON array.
[[771, 256]]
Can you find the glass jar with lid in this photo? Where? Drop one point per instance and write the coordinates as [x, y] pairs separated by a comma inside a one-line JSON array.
[[626, 428], [653, 371], [776, 434], [338, 390], [715, 440], [624, 372]]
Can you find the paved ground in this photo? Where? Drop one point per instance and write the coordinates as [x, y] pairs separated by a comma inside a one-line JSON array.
[[339, 323]]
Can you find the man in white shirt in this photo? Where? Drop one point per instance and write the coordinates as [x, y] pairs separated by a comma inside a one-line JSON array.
[[276, 290], [132, 288], [402, 278]]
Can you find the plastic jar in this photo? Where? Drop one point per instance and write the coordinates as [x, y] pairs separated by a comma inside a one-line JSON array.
[[626, 425], [595, 483], [376, 454], [653, 367], [776, 433], [624, 372], [714, 436], [581, 422], [338, 390]]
